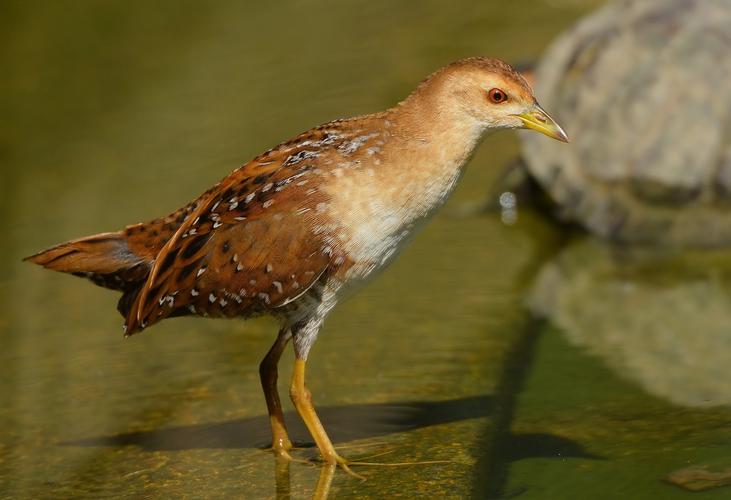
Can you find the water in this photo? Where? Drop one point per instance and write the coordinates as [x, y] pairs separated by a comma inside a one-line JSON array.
[[534, 366]]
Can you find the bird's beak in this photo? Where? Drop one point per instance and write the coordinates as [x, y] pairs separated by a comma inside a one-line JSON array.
[[537, 119]]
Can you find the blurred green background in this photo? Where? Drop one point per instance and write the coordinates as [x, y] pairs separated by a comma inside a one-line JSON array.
[[118, 112]]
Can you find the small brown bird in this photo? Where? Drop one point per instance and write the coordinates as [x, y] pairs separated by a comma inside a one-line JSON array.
[[287, 233]]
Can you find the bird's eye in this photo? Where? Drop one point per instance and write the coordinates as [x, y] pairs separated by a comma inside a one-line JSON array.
[[497, 96]]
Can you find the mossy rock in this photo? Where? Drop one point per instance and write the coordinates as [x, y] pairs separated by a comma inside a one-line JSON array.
[[642, 87]]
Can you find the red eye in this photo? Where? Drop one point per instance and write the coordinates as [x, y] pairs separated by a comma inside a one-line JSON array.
[[497, 96]]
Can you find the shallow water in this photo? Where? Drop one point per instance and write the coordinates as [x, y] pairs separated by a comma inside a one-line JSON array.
[[534, 365]]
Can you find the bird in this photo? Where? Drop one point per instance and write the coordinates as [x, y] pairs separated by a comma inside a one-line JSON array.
[[295, 229]]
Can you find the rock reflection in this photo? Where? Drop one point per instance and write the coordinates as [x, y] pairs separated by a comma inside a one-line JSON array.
[[663, 321]]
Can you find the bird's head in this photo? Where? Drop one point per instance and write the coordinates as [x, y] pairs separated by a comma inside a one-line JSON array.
[[493, 94]]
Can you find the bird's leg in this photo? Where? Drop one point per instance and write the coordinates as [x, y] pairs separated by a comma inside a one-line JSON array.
[[281, 444], [302, 399]]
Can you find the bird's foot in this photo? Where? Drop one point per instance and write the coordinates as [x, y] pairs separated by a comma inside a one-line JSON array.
[[285, 455], [281, 447], [344, 464], [366, 461], [279, 451]]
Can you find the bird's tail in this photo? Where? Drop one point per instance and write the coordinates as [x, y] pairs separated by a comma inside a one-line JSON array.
[[105, 259]]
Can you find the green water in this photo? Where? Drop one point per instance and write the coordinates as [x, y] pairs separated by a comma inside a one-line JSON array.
[[536, 367]]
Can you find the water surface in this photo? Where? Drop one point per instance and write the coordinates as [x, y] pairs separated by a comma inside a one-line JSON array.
[[526, 363]]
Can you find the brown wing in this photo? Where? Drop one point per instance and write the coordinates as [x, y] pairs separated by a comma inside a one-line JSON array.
[[248, 245], [146, 239]]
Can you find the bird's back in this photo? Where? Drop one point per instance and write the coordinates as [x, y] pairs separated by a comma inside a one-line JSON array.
[[251, 244]]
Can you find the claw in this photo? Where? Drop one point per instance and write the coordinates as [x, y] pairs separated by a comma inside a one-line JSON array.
[[345, 465]]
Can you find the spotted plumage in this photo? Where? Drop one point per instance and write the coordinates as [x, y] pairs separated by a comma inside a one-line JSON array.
[[290, 231], [262, 214]]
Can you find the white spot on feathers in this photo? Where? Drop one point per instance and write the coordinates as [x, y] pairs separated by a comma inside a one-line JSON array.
[[351, 147]]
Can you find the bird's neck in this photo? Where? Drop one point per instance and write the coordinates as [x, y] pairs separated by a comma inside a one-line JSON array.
[[431, 116], [422, 149], [435, 128], [429, 145]]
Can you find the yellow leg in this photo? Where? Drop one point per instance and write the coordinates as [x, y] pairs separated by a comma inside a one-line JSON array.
[[281, 444], [302, 399]]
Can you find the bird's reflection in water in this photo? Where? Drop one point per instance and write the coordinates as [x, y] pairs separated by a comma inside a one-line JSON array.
[[281, 475], [283, 488], [322, 490]]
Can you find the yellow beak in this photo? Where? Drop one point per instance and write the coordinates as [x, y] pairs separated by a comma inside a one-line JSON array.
[[538, 120]]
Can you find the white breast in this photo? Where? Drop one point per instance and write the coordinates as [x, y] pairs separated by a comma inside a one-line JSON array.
[[378, 214]]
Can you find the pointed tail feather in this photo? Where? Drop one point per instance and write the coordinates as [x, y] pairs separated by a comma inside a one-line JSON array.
[[104, 258]]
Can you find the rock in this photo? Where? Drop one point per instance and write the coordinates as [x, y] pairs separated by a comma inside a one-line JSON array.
[[642, 89]]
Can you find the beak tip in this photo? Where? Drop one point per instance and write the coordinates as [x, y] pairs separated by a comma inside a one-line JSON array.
[[557, 132], [561, 135]]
